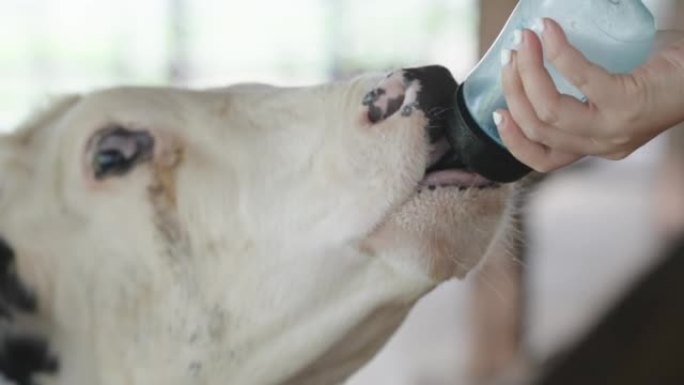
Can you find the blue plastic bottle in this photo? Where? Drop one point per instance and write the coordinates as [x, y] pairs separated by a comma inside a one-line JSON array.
[[615, 34]]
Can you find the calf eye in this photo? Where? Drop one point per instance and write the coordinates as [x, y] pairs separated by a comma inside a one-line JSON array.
[[117, 150]]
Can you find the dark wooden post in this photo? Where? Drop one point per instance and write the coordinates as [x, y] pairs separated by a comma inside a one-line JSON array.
[[493, 15], [670, 185]]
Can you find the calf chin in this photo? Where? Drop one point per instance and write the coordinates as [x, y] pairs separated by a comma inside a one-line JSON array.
[[440, 237]]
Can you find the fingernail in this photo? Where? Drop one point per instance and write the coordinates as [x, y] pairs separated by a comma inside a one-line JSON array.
[[498, 118], [505, 56], [517, 37], [538, 26]]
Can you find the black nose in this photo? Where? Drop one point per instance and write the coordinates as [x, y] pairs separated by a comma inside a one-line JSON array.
[[477, 150], [436, 97]]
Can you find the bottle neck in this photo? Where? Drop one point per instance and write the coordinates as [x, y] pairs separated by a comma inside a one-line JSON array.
[[479, 152]]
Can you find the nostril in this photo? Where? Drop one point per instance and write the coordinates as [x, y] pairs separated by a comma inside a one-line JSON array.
[[381, 105], [393, 105], [373, 96], [374, 113], [387, 98], [380, 108]]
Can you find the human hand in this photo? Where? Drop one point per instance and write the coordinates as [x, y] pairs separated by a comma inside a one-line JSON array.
[[547, 130]]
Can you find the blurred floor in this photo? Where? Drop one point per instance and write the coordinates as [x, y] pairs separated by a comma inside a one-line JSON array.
[[592, 231]]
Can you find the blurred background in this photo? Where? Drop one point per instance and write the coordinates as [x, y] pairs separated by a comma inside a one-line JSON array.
[[589, 230], [50, 46]]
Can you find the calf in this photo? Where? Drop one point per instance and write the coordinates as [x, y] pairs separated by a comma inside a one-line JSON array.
[[247, 235]]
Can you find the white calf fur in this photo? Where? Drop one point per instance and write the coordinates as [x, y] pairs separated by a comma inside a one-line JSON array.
[[274, 236]]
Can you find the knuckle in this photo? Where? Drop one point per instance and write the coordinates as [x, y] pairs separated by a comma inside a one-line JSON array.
[[532, 134], [634, 98], [630, 116], [542, 167], [613, 134], [548, 112], [611, 126], [546, 163], [619, 155], [537, 134], [525, 70], [553, 52], [579, 79], [550, 163], [620, 141]]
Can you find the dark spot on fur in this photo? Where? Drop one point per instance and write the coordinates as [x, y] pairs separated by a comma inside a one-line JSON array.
[[13, 294], [373, 96], [23, 356], [195, 368]]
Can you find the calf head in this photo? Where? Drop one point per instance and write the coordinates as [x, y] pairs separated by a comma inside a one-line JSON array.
[[247, 235]]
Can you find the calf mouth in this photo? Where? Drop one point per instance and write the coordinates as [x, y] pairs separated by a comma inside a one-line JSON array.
[[431, 89]]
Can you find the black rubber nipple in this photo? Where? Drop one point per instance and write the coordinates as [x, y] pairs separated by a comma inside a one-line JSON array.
[[477, 151]]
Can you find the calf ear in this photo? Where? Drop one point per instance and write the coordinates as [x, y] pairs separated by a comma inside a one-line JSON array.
[[44, 116], [9, 166], [15, 147]]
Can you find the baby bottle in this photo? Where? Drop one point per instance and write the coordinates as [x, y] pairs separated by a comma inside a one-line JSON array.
[[615, 34]]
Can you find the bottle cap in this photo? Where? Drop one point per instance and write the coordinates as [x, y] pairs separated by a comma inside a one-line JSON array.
[[477, 150]]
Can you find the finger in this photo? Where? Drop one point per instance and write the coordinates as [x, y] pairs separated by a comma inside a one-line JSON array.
[[553, 108], [537, 156], [526, 117], [597, 84], [617, 155]]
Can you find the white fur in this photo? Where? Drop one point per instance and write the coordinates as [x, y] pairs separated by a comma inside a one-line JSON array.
[[284, 244]]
